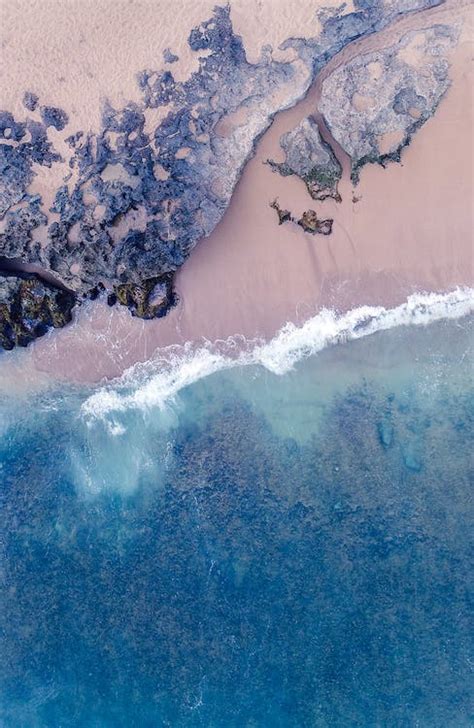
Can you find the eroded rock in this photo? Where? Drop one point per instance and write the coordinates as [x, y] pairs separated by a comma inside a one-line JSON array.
[[28, 307], [309, 221], [309, 157], [283, 215], [151, 299], [374, 104]]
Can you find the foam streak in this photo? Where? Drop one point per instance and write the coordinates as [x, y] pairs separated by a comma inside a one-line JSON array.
[[157, 383]]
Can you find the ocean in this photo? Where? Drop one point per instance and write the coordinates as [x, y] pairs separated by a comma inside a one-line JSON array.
[[279, 539]]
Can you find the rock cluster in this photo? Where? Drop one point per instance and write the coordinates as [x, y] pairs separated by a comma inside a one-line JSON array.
[[309, 220], [152, 299], [28, 307]]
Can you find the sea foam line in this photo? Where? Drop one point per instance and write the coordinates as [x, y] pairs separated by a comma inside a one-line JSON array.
[[157, 382]]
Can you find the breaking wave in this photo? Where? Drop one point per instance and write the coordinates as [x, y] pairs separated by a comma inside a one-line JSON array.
[[157, 382]]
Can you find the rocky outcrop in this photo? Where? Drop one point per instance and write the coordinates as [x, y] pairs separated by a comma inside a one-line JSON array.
[[283, 215], [152, 299], [136, 197], [311, 223], [309, 157], [374, 104], [309, 220], [28, 307]]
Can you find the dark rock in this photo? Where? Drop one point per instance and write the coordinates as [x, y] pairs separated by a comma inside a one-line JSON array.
[[28, 307], [309, 157], [152, 298], [96, 291], [30, 100], [309, 220], [169, 57], [310, 223], [52, 116], [11, 129], [283, 215]]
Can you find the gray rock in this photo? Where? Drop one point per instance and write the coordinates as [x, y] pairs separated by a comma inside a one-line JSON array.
[[309, 157], [375, 103]]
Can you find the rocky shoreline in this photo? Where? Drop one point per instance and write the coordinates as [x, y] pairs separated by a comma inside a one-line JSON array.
[[134, 202]]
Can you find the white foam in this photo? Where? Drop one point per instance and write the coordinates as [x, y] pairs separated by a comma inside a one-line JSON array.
[[157, 383]]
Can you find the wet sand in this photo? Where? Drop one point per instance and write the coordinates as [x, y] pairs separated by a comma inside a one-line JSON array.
[[410, 230]]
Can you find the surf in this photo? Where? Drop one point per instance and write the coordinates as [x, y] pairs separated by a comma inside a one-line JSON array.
[[157, 382]]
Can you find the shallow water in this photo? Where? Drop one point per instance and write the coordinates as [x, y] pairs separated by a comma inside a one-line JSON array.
[[262, 550]]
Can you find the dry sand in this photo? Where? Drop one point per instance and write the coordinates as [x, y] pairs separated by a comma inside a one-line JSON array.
[[410, 230]]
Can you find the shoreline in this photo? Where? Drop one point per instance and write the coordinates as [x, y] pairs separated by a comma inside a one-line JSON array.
[[409, 231], [156, 382], [157, 379]]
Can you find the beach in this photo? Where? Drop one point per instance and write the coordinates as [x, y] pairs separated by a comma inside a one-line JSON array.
[[255, 510], [403, 229]]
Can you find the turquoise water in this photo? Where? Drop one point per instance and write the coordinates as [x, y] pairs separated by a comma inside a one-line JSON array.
[[265, 550]]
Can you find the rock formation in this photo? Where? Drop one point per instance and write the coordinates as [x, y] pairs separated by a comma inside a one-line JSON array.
[[374, 104], [309, 157], [133, 201], [309, 220], [28, 307]]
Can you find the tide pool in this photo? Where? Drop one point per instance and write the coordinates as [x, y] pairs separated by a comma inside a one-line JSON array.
[[288, 550]]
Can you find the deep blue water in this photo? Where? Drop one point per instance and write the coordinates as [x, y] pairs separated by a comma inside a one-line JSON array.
[[270, 551]]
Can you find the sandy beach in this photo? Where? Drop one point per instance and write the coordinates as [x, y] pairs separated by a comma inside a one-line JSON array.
[[403, 229]]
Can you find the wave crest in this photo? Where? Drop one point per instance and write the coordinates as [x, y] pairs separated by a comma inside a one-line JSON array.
[[157, 382]]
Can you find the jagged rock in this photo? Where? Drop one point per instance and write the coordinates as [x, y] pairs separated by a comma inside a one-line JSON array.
[[30, 100], [309, 157], [52, 116], [375, 103], [309, 220], [283, 215], [28, 307], [169, 56], [310, 223], [151, 299]]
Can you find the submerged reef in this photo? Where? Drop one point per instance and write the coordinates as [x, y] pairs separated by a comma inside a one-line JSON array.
[[375, 103], [271, 568], [309, 157], [137, 196]]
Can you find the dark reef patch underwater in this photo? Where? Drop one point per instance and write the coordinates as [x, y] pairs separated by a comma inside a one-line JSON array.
[[286, 551]]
